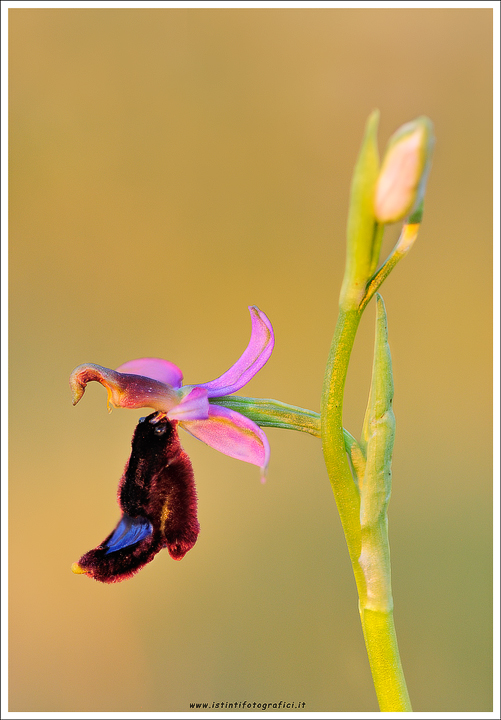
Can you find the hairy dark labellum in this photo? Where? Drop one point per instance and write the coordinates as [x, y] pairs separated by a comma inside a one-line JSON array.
[[158, 500]]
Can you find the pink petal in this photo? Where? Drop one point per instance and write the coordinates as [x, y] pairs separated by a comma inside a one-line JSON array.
[[256, 355], [194, 406], [154, 368], [232, 434]]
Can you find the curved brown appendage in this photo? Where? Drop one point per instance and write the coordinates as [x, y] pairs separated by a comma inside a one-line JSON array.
[[84, 374], [124, 389]]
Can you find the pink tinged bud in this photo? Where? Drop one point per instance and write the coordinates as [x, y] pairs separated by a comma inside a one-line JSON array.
[[401, 183]]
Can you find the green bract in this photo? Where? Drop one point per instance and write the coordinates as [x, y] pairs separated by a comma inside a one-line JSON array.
[[362, 235], [375, 489]]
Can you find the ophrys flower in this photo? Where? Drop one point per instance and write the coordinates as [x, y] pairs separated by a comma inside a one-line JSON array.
[[157, 493]]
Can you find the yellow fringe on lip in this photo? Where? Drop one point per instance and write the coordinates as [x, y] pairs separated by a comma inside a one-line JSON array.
[[164, 515], [109, 402], [77, 569]]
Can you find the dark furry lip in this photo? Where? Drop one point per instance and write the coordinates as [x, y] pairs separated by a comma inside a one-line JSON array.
[[158, 500]]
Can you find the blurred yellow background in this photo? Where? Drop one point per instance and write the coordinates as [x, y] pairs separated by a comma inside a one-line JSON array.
[[168, 168]]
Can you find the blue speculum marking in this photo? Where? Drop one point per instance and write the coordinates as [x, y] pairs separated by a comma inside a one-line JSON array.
[[128, 532]]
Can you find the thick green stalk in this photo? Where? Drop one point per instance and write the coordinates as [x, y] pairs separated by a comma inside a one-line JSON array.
[[376, 608], [384, 659], [345, 490]]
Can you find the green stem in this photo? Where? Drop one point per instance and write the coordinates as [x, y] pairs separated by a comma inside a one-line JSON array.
[[382, 650], [345, 490], [405, 242], [376, 612]]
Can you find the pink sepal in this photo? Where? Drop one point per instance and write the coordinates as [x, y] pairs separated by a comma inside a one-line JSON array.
[[233, 434], [255, 356]]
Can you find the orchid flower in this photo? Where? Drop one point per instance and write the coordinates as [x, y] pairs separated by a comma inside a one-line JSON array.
[[157, 493], [156, 383]]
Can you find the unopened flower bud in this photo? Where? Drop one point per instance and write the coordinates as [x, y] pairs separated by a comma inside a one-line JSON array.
[[401, 183]]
